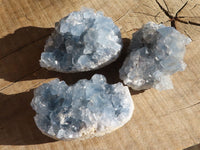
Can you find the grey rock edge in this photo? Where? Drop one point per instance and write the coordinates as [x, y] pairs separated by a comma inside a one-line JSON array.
[[86, 109], [155, 53], [82, 41]]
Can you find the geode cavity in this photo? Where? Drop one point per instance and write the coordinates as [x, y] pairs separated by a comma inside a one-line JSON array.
[[86, 109], [82, 41], [156, 52]]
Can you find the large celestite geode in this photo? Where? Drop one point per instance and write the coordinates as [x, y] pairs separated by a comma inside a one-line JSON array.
[[156, 52], [86, 109], [82, 41]]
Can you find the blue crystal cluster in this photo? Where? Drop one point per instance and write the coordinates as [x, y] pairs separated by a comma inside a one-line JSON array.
[[155, 53], [86, 109], [85, 40], [82, 41]]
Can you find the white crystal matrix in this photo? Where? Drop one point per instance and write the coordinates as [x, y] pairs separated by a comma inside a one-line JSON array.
[[156, 52], [82, 41], [86, 109]]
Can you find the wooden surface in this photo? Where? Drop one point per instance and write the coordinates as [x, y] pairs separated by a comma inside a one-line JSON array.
[[161, 120]]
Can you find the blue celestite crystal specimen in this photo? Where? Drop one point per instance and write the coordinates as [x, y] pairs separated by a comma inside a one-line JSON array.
[[86, 109], [156, 52], [82, 41]]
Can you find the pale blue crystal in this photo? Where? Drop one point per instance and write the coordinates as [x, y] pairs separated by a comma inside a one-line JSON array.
[[82, 41], [86, 109], [156, 52]]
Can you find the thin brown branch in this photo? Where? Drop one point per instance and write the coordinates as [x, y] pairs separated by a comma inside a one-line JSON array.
[[194, 6], [190, 106], [187, 34], [188, 22], [166, 5], [164, 10], [156, 16], [148, 6], [146, 14], [188, 17], [180, 9], [123, 15]]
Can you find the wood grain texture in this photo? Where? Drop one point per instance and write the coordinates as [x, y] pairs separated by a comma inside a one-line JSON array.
[[161, 121]]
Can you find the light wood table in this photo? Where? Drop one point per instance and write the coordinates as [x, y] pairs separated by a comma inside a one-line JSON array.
[[166, 120]]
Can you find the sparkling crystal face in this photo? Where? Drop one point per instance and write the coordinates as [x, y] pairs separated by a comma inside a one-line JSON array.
[[156, 52], [86, 109], [82, 41]]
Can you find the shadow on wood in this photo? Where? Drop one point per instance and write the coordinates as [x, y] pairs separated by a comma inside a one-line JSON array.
[[17, 126], [133, 92], [22, 38], [21, 51], [194, 147]]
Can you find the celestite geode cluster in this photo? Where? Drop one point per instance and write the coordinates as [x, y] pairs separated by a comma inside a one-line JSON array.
[[86, 109], [82, 41], [155, 53]]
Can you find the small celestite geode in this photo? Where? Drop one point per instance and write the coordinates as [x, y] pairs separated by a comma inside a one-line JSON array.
[[82, 41], [155, 52], [86, 109]]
